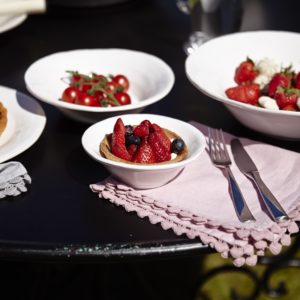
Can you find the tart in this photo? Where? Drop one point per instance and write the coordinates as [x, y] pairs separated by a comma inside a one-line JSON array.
[[3, 118], [105, 149]]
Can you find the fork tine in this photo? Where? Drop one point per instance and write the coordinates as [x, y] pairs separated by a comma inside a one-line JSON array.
[[210, 142], [224, 145]]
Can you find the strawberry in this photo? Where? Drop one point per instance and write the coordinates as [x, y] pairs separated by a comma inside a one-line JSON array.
[[147, 123], [297, 81], [132, 149], [278, 80], [290, 107], [285, 97], [160, 151], [244, 93], [118, 147], [245, 73], [144, 153], [164, 140], [141, 130]]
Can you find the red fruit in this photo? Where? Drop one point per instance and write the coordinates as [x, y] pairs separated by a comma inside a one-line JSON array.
[[244, 93], [245, 73], [285, 97], [121, 81], [278, 80], [147, 123], [161, 153], [297, 81], [87, 100], [118, 147], [290, 107], [144, 153], [141, 130], [132, 149], [123, 98], [70, 94], [164, 140]]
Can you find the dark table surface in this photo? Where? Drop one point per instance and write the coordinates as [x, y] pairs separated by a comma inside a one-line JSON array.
[[59, 218]]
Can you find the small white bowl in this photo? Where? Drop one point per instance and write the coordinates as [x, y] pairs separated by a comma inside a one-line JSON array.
[[151, 79], [211, 69], [144, 176]]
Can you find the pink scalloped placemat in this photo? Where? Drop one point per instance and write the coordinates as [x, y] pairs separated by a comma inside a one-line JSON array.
[[197, 203]]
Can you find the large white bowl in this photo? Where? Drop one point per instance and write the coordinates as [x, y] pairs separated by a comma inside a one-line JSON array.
[[211, 69], [144, 176], [150, 78]]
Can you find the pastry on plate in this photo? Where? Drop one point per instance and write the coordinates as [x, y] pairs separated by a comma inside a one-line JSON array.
[[3, 118]]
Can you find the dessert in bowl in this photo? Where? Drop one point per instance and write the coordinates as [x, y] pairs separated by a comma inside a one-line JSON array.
[[212, 72], [150, 78], [151, 164]]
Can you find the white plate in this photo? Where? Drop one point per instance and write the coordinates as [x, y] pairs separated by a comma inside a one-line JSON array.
[[26, 122], [150, 79], [11, 21]]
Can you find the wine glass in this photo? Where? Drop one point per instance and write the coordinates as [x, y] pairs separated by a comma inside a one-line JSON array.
[[210, 18]]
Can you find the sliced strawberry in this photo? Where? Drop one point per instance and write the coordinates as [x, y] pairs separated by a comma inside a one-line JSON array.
[[244, 93], [144, 153], [118, 147], [285, 97], [278, 80], [245, 73], [160, 151], [164, 140], [132, 149], [147, 123], [141, 130]]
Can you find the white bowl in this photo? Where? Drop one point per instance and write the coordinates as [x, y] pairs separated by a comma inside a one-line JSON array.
[[211, 69], [150, 78], [144, 176]]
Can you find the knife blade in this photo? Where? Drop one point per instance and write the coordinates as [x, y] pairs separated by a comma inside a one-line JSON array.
[[248, 167]]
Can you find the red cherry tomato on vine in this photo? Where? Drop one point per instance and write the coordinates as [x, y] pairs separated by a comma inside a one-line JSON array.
[[111, 87], [122, 98], [70, 94], [121, 81], [87, 100]]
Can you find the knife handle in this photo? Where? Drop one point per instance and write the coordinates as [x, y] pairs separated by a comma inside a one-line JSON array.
[[273, 206], [239, 202]]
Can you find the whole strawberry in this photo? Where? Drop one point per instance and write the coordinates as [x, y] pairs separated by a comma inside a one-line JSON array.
[[245, 73], [297, 81], [278, 80], [286, 98], [118, 147], [244, 93]]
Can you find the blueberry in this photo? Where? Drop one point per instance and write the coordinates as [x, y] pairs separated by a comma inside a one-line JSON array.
[[133, 139], [177, 145], [129, 129]]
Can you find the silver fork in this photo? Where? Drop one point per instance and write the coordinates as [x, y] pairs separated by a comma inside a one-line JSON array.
[[220, 158]]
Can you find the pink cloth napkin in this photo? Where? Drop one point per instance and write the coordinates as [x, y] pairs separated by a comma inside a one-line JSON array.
[[197, 203]]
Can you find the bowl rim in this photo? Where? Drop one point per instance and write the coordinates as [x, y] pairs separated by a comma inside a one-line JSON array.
[[61, 104], [196, 132], [224, 99]]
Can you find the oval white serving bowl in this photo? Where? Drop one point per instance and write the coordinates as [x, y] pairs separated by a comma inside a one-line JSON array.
[[144, 176], [151, 79], [211, 69]]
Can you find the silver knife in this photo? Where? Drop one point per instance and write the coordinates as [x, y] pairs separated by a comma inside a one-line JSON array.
[[247, 166]]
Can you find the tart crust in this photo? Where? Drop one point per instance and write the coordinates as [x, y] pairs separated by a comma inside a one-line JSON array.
[[3, 118], [105, 150]]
